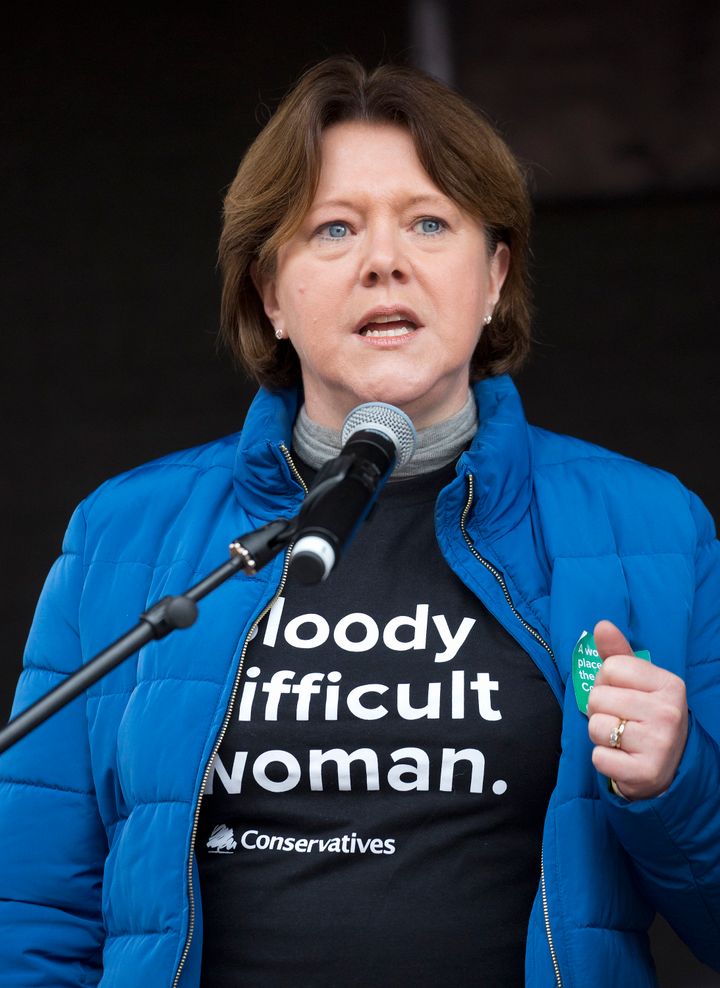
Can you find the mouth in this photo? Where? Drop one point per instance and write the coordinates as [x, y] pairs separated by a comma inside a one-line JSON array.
[[388, 322]]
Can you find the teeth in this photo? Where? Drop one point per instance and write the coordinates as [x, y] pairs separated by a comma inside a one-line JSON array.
[[381, 319], [395, 331], [397, 324]]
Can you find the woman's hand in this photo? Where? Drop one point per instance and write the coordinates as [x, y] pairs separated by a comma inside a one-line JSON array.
[[643, 755]]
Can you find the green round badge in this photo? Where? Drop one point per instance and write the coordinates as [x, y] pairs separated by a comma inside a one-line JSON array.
[[585, 663]]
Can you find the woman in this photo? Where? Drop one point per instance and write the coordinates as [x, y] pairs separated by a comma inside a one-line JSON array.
[[221, 810]]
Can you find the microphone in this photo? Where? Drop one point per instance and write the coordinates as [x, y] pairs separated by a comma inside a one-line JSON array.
[[376, 437]]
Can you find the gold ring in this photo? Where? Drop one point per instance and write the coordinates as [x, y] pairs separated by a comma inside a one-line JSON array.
[[617, 733]]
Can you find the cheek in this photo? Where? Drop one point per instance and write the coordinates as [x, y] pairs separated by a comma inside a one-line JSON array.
[[462, 286], [462, 307], [310, 293], [296, 294], [309, 311], [319, 307]]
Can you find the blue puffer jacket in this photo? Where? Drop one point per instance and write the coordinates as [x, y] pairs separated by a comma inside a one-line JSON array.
[[552, 534]]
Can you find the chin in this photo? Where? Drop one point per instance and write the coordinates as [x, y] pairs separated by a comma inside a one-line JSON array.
[[394, 393], [416, 401]]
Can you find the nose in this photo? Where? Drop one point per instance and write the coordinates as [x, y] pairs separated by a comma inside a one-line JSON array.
[[384, 258]]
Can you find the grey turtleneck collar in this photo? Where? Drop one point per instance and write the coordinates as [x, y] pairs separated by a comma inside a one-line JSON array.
[[437, 445]]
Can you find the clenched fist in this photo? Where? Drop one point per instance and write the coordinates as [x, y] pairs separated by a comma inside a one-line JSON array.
[[652, 702]]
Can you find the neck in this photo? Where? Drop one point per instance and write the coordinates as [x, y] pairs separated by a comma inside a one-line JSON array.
[[437, 445]]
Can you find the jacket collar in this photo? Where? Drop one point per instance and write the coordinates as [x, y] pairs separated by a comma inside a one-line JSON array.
[[499, 457], [263, 479]]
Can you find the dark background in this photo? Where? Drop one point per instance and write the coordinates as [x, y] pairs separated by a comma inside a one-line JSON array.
[[120, 134]]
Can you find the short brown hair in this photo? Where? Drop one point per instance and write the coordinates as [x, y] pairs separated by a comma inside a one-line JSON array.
[[277, 179]]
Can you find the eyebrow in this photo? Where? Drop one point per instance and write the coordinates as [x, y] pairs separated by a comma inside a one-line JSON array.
[[430, 198]]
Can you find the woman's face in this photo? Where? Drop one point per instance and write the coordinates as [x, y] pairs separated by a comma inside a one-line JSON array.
[[384, 288]]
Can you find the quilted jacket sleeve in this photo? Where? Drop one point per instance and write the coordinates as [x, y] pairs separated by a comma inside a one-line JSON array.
[[674, 839], [52, 839]]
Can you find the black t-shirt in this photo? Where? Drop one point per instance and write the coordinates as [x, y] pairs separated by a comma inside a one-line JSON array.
[[375, 812]]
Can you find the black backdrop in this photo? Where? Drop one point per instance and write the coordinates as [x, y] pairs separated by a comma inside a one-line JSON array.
[[119, 135]]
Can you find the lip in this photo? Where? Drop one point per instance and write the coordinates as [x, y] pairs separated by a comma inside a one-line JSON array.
[[402, 311]]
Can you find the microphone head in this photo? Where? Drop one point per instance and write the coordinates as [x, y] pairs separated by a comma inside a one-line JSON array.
[[388, 420]]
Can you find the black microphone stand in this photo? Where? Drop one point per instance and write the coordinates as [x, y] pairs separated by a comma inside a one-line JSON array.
[[249, 552]]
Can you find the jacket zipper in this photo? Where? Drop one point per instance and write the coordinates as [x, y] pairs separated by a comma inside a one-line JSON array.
[[536, 634], [223, 729], [546, 914], [498, 576]]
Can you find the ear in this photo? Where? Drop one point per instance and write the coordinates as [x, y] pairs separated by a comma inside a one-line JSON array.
[[266, 287], [499, 267]]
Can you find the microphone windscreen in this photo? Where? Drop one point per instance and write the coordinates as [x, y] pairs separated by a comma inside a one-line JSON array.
[[378, 416]]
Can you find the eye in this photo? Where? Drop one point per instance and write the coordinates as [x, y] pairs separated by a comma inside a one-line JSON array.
[[334, 231], [430, 225]]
